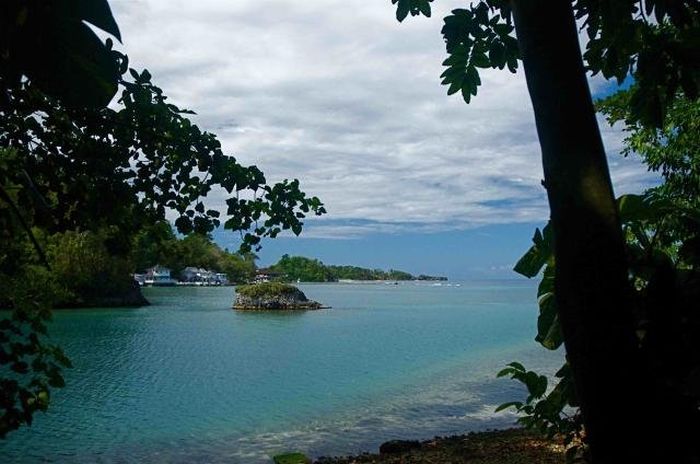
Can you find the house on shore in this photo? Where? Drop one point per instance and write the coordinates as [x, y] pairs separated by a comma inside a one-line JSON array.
[[200, 276], [159, 276], [221, 278], [195, 275]]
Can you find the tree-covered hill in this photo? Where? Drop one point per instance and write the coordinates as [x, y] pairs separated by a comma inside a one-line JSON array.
[[312, 270]]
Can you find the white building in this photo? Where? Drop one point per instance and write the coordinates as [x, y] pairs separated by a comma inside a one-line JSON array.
[[159, 276]]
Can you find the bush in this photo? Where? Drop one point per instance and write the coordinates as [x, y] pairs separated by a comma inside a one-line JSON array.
[[266, 289]]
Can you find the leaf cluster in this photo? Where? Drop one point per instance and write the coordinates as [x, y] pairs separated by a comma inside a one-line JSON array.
[[662, 238], [29, 363], [52, 44], [415, 7], [672, 149], [129, 165], [477, 38], [550, 412], [654, 41]]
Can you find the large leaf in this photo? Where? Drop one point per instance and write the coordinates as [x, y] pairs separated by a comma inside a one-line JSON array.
[[52, 44], [541, 252], [95, 12], [635, 208], [415, 7], [549, 332]]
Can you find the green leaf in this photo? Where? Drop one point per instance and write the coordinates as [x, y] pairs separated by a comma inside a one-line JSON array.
[[517, 366], [402, 9], [480, 60], [632, 207], [549, 332], [97, 13], [531, 262], [424, 7], [547, 283], [538, 255], [455, 87], [466, 93], [635, 208], [504, 372], [497, 54], [511, 404]]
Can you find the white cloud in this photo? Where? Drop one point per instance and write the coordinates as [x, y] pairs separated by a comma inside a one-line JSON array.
[[338, 94]]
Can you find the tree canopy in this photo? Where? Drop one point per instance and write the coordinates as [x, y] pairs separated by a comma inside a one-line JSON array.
[[654, 40], [303, 269]]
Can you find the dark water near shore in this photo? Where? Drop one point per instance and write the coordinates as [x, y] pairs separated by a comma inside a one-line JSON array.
[[190, 380]]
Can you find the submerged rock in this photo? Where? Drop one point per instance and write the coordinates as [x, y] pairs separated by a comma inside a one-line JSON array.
[[272, 296]]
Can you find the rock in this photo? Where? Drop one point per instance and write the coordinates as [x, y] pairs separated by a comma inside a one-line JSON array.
[[398, 446], [272, 296]]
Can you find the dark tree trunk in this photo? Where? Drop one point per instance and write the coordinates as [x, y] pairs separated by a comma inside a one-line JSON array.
[[592, 288]]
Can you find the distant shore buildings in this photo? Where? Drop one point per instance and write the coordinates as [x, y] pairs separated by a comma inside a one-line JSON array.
[[266, 274], [201, 276], [161, 276]]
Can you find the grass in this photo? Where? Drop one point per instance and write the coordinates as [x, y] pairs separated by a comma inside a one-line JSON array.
[[265, 289], [291, 458]]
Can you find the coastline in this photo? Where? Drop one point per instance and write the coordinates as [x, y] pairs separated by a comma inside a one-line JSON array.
[[507, 446]]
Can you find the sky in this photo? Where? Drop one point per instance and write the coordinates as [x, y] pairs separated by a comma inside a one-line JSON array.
[[341, 96]]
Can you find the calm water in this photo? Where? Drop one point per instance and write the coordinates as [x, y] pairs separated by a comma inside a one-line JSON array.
[[190, 380]]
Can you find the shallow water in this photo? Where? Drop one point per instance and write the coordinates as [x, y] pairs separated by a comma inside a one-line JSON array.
[[188, 379]]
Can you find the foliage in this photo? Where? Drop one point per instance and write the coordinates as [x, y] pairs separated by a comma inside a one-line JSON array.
[[653, 39], [142, 159], [153, 244], [662, 230], [550, 413], [299, 268], [361, 273], [52, 44], [295, 268], [266, 289], [158, 244], [69, 163], [671, 149], [31, 364], [291, 458], [84, 269], [664, 273]]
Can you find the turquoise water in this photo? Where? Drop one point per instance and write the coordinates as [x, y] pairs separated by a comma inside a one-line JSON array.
[[190, 380]]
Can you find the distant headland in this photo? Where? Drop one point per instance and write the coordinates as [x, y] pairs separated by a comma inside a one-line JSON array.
[[302, 269]]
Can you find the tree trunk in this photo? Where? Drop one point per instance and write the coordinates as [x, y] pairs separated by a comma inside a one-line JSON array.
[[591, 284]]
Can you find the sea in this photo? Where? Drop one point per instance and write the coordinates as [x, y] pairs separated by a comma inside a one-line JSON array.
[[188, 379]]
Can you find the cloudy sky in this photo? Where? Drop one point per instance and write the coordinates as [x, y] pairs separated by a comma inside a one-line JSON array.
[[339, 95]]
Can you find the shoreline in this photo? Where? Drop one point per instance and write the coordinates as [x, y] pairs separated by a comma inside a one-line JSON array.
[[502, 446]]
